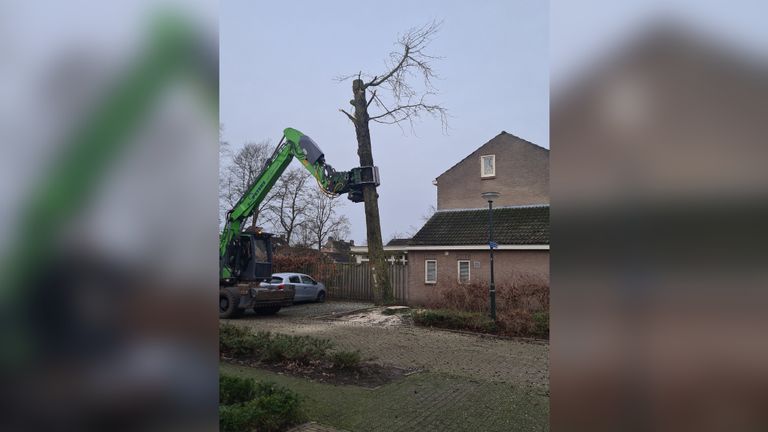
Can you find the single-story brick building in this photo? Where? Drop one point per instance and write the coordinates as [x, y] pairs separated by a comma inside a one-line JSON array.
[[452, 248]]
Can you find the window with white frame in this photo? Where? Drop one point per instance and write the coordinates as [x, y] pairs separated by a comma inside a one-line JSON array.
[[488, 166], [430, 271], [463, 271]]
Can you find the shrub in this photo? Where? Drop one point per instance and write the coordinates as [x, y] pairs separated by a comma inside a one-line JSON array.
[[234, 390], [310, 262], [453, 319], [235, 341], [302, 349], [522, 303], [542, 323], [268, 407], [273, 348], [346, 359]]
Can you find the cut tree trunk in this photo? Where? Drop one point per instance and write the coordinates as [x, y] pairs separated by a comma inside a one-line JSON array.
[[382, 291]]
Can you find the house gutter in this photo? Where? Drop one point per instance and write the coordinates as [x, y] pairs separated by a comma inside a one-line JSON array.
[[364, 249]]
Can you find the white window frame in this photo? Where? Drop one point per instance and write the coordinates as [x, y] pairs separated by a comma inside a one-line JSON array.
[[493, 165], [458, 270], [426, 271]]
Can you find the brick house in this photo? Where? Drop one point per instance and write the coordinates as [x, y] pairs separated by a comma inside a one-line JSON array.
[[452, 246]]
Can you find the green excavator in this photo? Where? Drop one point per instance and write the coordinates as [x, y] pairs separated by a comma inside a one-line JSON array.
[[245, 257]]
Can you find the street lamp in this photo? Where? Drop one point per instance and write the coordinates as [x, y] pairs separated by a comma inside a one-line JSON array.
[[490, 197]]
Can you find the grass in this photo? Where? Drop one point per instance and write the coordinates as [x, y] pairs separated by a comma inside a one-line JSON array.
[[452, 319], [424, 401], [246, 404]]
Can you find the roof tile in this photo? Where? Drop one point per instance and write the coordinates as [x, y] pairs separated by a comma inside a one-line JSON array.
[[511, 226]]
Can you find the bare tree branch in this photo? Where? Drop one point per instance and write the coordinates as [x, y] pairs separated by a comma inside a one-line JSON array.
[[289, 208], [350, 116], [322, 220], [380, 104], [237, 173], [408, 82], [342, 78], [376, 82]]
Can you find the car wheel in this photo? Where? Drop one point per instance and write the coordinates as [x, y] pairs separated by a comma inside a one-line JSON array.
[[321, 296], [267, 310], [228, 303]]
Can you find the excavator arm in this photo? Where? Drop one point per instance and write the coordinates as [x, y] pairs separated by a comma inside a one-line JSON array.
[[294, 144]]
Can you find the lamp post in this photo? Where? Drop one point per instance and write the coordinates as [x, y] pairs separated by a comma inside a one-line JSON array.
[[490, 197]]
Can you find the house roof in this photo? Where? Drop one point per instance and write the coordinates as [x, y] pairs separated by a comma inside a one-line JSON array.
[[521, 225], [399, 242], [504, 135]]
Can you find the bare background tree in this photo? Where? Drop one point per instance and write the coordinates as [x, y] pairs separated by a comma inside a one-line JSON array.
[[429, 213], [238, 171], [295, 208], [400, 94], [287, 210], [322, 220], [225, 153]]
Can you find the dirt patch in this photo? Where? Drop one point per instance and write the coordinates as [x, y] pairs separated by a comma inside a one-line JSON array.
[[368, 375], [375, 317]]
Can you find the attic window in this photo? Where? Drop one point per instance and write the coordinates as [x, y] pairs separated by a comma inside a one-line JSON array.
[[488, 166]]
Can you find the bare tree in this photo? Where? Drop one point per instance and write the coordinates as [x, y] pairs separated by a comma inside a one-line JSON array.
[[287, 210], [391, 97], [397, 235], [240, 173], [322, 220], [224, 155], [429, 213]]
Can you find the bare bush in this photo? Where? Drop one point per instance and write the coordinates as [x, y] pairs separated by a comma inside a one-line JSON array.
[[313, 263], [522, 304]]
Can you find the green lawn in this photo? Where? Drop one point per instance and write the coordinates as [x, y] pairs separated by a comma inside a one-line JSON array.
[[421, 402]]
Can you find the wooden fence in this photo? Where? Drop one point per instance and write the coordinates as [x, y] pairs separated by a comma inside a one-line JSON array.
[[351, 281], [354, 282]]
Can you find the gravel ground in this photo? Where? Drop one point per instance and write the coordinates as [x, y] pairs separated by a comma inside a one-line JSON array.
[[312, 310], [391, 341]]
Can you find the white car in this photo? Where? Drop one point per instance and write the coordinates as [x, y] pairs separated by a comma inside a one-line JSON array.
[[306, 288]]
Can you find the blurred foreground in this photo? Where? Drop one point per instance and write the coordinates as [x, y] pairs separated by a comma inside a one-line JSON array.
[[660, 199], [109, 217]]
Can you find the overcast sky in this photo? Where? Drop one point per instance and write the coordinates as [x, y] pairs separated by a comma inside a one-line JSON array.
[[278, 61]]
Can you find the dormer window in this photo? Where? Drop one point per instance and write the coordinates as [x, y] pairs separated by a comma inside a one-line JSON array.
[[488, 166]]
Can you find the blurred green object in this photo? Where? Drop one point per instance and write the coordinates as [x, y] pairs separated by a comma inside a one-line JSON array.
[[174, 52]]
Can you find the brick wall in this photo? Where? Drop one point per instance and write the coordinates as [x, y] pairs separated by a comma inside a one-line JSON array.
[[522, 176], [507, 263]]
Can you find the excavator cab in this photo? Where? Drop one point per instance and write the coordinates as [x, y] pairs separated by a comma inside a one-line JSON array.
[[250, 258]]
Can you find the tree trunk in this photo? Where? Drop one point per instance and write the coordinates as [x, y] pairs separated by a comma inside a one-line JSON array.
[[382, 292]]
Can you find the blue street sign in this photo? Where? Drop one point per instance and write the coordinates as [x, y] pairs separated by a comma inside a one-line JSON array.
[[493, 245]]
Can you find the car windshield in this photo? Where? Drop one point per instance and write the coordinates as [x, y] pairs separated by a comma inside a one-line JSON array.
[[276, 280]]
